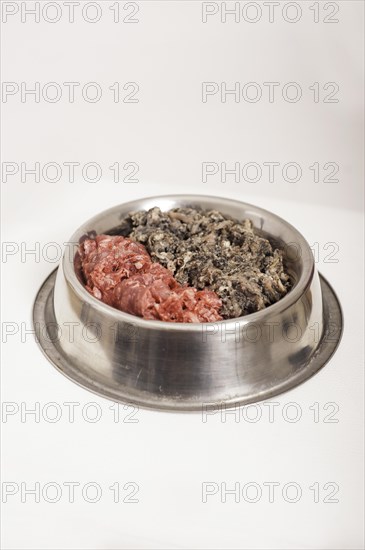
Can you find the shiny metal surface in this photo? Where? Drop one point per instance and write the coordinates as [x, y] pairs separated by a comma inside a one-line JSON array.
[[182, 367]]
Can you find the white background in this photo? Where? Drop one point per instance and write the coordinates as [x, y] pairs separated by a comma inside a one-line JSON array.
[[169, 133]]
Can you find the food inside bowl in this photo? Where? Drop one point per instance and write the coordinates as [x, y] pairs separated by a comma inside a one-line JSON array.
[[120, 272], [184, 265]]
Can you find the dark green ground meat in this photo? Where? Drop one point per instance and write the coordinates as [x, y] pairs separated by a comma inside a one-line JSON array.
[[207, 249]]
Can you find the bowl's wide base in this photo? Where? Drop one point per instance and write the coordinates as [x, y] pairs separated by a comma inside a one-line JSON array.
[[44, 317]]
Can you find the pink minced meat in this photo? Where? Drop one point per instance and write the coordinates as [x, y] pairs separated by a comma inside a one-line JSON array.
[[119, 272]]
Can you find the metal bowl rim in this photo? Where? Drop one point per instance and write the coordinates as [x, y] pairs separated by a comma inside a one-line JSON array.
[[287, 301], [63, 363]]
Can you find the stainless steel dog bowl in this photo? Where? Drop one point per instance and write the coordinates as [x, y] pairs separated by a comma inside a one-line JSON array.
[[184, 367]]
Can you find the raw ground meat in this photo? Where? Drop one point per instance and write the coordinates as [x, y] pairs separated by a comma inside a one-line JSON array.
[[120, 273], [107, 260]]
